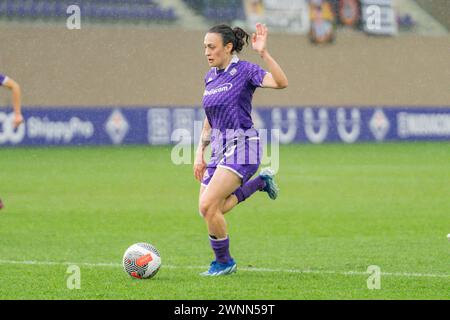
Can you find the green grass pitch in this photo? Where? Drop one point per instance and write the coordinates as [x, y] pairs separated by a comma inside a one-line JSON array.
[[341, 209]]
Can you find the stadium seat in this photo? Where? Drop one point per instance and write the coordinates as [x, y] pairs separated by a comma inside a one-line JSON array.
[[99, 10]]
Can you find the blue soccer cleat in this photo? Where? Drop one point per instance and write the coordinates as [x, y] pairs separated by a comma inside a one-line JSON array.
[[271, 187], [220, 269]]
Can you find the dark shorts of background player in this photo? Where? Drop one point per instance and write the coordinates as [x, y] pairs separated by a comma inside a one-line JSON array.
[[241, 157]]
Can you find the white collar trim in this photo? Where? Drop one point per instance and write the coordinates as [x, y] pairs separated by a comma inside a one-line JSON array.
[[234, 59]]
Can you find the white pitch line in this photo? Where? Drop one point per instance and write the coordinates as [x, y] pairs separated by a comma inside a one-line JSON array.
[[247, 269]]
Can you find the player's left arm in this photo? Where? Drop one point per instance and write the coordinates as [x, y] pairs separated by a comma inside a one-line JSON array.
[[275, 78], [16, 100]]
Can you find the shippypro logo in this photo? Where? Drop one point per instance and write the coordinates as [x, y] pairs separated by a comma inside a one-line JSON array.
[[59, 131], [7, 132], [117, 126], [222, 88]]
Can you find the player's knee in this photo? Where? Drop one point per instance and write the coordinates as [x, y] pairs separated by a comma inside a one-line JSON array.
[[204, 208], [207, 208]]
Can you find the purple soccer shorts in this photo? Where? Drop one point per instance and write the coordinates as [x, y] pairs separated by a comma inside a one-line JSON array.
[[242, 156]]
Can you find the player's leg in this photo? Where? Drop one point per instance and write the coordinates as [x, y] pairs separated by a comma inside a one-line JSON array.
[[207, 176], [243, 192], [250, 151], [263, 182], [229, 203], [222, 184], [201, 192]]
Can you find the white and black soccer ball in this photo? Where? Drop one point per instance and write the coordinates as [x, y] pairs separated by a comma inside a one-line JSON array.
[[141, 261]]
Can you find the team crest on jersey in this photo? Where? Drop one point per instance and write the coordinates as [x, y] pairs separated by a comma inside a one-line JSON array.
[[233, 72]]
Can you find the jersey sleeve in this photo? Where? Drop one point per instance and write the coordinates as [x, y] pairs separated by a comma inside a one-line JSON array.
[[3, 79], [256, 75]]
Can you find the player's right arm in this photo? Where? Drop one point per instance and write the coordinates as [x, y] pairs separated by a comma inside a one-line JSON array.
[[205, 139], [16, 100]]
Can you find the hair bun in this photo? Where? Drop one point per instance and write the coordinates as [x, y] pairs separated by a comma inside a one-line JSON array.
[[241, 38], [237, 36]]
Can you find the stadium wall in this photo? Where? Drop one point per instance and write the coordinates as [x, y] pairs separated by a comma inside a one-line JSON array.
[[116, 66]]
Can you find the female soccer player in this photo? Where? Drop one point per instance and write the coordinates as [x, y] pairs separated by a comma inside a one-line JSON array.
[[16, 96], [229, 87]]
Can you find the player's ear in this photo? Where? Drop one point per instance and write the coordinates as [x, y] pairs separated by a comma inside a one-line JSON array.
[[229, 47]]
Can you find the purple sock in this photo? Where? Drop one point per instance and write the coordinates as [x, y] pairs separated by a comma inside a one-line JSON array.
[[221, 249], [249, 188]]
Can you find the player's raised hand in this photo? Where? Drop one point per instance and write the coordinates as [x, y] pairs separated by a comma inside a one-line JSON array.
[[259, 38], [18, 120]]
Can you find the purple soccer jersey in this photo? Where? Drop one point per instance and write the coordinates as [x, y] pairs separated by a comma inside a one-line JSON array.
[[3, 79], [227, 102], [228, 94]]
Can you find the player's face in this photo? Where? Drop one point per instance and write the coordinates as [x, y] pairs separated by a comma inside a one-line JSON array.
[[216, 53]]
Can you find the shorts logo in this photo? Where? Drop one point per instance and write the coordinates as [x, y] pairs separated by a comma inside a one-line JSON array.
[[222, 88]]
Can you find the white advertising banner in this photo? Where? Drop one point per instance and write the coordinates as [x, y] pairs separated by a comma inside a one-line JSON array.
[[279, 15]]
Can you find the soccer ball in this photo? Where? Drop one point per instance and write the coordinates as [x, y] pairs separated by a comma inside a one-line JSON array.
[[141, 261]]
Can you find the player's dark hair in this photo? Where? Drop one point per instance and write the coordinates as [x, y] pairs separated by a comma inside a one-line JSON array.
[[237, 36]]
